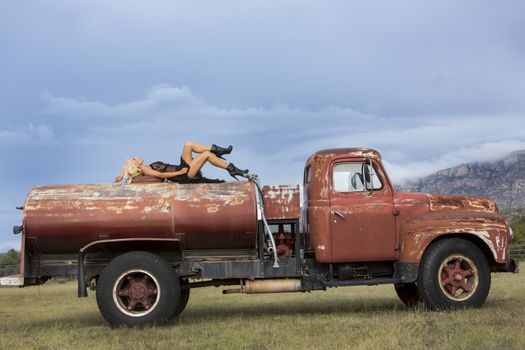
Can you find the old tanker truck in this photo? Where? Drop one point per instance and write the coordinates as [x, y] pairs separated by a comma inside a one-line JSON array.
[[144, 246]]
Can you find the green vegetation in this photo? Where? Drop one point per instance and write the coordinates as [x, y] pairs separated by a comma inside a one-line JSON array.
[[518, 226], [51, 317], [516, 218], [9, 263]]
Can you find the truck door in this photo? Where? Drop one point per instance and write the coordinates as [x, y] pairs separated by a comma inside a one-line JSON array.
[[362, 222]]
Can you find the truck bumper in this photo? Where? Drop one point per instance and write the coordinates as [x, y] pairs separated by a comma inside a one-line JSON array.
[[511, 266]]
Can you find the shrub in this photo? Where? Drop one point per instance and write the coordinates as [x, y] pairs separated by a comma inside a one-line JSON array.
[[9, 263]]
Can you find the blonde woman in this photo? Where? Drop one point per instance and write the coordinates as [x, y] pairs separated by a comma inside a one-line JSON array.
[[189, 169]]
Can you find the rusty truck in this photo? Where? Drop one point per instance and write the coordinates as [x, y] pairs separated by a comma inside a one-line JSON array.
[[144, 246]]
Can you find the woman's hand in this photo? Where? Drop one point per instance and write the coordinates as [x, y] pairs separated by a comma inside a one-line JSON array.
[[118, 178], [147, 170], [167, 175]]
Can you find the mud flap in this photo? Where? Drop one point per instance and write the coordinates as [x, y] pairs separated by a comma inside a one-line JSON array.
[[406, 272]]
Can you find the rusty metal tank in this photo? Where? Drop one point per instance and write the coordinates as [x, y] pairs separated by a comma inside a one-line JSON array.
[[64, 218]]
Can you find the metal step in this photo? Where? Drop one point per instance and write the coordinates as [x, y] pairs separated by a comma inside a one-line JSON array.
[[360, 282], [12, 281]]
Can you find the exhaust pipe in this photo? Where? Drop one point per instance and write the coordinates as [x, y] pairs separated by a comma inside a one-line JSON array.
[[267, 286]]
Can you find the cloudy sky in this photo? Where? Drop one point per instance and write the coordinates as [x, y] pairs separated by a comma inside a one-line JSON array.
[[87, 84]]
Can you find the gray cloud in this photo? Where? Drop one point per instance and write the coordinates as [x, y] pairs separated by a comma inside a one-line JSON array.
[[282, 137], [391, 58], [27, 134]]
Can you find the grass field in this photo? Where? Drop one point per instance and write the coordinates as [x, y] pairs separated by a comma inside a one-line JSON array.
[[51, 317]]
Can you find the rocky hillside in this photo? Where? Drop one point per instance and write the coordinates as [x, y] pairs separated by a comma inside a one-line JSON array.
[[503, 181]]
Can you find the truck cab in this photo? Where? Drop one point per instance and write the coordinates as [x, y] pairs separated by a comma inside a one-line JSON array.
[[349, 206], [441, 248]]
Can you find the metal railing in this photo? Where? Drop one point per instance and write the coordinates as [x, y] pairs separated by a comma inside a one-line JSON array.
[[517, 251]]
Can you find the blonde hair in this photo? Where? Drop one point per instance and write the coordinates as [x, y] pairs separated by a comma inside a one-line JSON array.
[[130, 170]]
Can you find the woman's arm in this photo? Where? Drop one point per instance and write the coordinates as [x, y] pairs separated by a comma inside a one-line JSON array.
[[119, 176], [146, 170]]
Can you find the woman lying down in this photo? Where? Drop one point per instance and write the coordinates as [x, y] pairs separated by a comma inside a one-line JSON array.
[[189, 169]]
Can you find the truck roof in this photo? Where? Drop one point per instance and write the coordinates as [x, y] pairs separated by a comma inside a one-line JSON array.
[[355, 151]]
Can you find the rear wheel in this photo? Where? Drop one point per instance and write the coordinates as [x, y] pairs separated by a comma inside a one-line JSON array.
[[136, 289], [453, 274], [408, 294], [184, 297]]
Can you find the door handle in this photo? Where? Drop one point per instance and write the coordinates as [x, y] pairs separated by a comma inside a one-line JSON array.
[[338, 213]]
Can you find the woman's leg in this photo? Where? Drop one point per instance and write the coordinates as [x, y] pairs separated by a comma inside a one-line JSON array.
[[191, 147], [198, 162]]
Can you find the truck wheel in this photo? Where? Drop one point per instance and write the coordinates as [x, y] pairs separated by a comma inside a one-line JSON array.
[[408, 294], [184, 297], [453, 274], [137, 288]]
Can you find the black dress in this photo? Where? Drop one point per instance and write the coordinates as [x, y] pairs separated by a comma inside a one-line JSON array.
[[182, 179]]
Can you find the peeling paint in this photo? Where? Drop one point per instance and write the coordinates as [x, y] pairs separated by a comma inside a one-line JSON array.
[[282, 202], [450, 202], [63, 218], [485, 236], [489, 227], [212, 209]]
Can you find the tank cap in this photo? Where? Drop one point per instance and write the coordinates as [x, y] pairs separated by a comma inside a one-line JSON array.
[[18, 229]]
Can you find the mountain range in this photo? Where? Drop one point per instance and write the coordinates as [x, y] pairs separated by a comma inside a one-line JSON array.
[[502, 180]]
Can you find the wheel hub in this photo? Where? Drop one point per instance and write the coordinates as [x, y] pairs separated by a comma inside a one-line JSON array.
[[136, 292], [458, 277]]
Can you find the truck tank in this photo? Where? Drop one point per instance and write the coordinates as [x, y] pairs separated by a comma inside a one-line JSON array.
[[64, 218]]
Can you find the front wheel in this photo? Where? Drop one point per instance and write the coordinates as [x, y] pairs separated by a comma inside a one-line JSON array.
[[408, 294], [136, 289], [453, 274]]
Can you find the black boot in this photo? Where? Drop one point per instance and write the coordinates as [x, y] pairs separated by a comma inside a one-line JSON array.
[[220, 151], [233, 170]]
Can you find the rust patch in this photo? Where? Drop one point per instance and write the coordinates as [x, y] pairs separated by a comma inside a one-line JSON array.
[[471, 203], [319, 196], [282, 202], [420, 231], [64, 218]]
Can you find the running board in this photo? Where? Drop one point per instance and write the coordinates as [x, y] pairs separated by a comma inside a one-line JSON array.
[[12, 281], [359, 282]]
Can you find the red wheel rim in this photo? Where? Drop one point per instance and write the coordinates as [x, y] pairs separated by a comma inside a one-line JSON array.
[[136, 293], [458, 277]]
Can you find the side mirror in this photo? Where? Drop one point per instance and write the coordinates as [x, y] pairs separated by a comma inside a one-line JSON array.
[[368, 175]]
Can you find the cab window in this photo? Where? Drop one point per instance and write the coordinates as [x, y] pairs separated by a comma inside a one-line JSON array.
[[348, 177], [307, 175]]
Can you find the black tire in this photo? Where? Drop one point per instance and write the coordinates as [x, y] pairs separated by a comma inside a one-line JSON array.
[[136, 289], [184, 297], [408, 294], [453, 274]]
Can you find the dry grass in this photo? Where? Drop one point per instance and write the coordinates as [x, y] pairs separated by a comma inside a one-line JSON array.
[[51, 317]]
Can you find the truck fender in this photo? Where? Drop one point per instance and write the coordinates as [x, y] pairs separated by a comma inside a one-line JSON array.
[[487, 230], [121, 245]]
